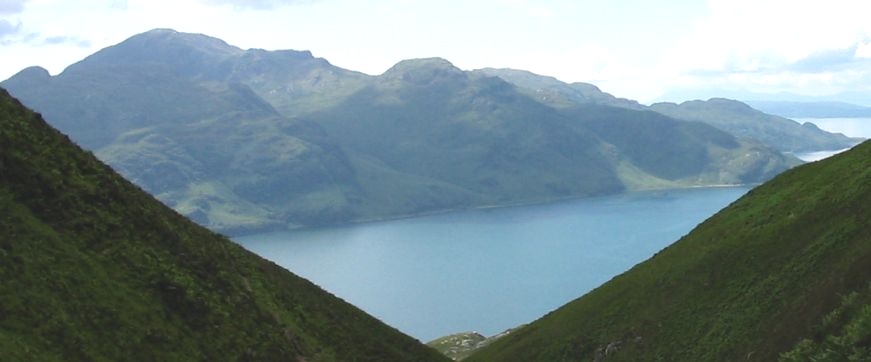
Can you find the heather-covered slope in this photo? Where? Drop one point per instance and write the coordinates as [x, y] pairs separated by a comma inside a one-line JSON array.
[[784, 272], [93, 268]]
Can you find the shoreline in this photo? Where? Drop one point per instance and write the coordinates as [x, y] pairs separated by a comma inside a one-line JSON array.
[[474, 208]]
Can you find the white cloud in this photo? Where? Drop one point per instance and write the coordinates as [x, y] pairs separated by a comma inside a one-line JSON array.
[[12, 6], [767, 45], [8, 29], [255, 4], [863, 50]]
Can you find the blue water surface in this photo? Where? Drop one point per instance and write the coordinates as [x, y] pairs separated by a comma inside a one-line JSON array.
[[492, 269]]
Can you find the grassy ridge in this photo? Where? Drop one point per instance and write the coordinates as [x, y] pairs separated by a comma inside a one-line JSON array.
[[783, 270], [93, 268]]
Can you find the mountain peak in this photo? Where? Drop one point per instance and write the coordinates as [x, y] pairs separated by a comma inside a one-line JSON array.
[[723, 104], [170, 36], [30, 74], [424, 70], [586, 87], [434, 62], [285, 54], [28, 77], [34, 72], [159, 31], [523, 78], [187, 53]]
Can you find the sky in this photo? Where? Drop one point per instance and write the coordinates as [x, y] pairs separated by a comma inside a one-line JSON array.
[[647, 50]]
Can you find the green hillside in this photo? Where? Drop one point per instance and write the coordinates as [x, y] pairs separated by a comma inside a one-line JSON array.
[[93, 268], [784, 272]]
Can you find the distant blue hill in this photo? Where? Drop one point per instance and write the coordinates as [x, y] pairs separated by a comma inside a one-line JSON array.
[[792, 109]]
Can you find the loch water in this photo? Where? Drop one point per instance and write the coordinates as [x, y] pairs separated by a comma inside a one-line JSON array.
[[488, 270]]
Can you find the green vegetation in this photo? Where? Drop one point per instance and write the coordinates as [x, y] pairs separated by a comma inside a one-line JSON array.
[[781, 273], [846, 333], [250, 140], [93, 268]]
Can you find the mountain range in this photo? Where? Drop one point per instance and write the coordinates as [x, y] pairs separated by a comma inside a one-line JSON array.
[[94, 268], [732, 116], [250, 140]]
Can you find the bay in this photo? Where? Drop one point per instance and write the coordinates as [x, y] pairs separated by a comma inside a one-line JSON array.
[[488, 270]]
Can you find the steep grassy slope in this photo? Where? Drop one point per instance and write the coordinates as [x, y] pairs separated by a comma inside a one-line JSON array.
[[785, 269], [93, 268]]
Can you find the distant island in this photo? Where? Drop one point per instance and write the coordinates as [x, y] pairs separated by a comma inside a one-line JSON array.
[[792, 109]]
